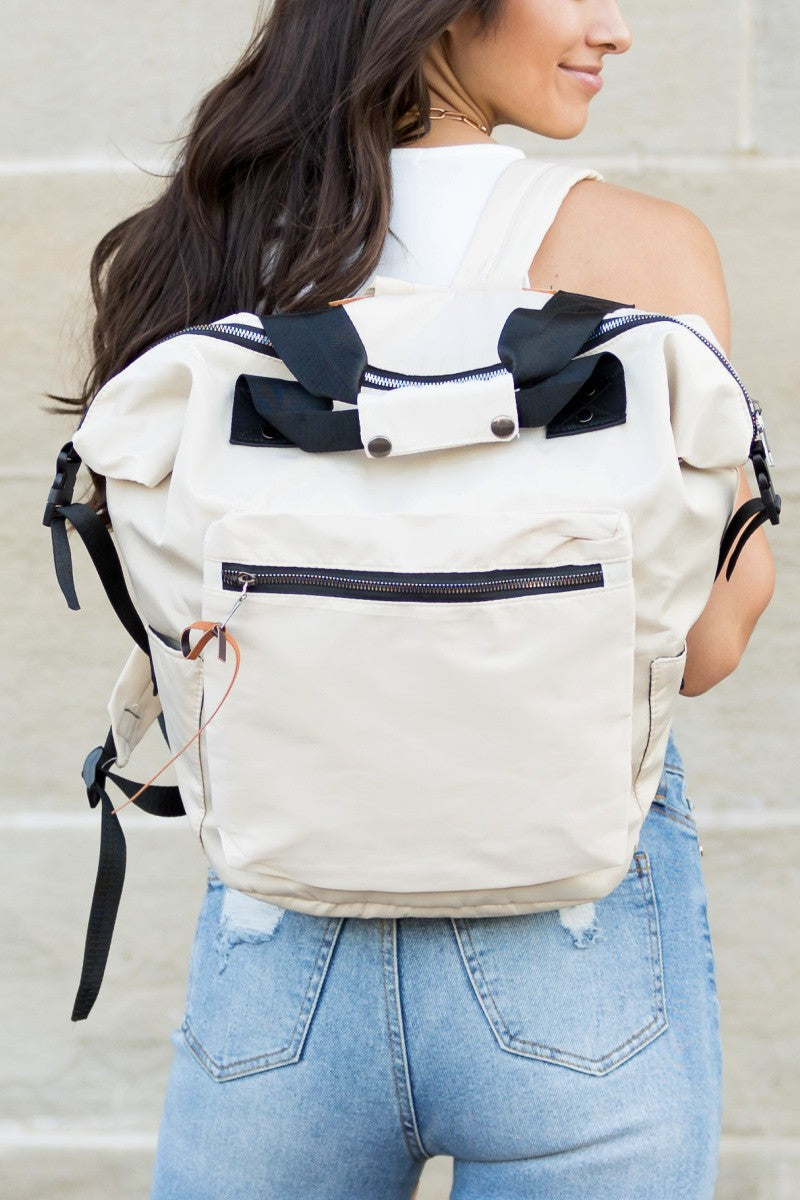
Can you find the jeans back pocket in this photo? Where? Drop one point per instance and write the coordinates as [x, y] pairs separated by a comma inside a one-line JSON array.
[[255, 979], [581, 987]]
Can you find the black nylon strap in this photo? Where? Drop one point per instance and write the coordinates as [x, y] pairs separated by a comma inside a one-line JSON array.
[[289, 415], [735, 526], [159, 800], [542, 402], [62, 559], [298, 418], [538, 343], [754, 513], [97, 540], [108, 883], [322, 350], [112, 861], [103, 553], [325, 354], [759, 519]]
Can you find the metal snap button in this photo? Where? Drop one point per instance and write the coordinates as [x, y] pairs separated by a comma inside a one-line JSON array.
[[379, 447], [586, 416], [503, 427]]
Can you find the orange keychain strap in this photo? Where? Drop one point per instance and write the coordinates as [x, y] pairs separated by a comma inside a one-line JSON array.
[[224, 640]]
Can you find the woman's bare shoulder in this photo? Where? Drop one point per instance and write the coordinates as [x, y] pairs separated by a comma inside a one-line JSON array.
[[624, 245]]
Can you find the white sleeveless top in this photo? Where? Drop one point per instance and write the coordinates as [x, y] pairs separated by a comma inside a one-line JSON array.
[[439, 194]]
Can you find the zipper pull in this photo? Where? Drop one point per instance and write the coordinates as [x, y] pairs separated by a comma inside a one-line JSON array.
[[762, 460], [762, 432], [246, 580]]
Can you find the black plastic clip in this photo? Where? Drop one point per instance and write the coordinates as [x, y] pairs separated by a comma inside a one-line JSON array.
[[67, 467], [759, 456], [94, 773]]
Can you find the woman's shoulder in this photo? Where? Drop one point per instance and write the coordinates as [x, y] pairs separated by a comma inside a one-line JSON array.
[[626, 245]]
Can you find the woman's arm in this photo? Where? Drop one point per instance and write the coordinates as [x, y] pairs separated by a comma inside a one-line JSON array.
[[614, 242], [717, 640]]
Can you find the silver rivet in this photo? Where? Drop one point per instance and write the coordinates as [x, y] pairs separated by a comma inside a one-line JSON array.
[[379, 447], [503, 427], [586, 416]]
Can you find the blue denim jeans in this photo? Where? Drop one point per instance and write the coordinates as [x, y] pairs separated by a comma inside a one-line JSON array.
[[570, 1055]]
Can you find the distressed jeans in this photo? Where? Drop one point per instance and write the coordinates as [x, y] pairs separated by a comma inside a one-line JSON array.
[[563, 1055]]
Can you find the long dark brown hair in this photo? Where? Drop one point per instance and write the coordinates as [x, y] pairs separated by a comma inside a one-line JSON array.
[[280, 197]]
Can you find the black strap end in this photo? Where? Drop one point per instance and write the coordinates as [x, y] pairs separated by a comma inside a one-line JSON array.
[[63, 486], [108, 883]]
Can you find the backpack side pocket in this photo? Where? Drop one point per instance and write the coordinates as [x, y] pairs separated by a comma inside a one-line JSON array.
[[180, 688], [666, 674]]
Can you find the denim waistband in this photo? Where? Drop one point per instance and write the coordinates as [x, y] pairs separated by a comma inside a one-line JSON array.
[[673, 760]]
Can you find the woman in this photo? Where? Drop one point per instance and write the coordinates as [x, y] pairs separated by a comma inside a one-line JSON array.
[[606, 1080]]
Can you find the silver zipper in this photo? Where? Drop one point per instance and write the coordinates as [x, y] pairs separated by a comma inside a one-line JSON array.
[[480, 585], [392, 382], [380, 379], [256, 336], [614, 324]]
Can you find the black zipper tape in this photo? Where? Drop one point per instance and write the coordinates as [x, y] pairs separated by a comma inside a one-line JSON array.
[[435, 587]]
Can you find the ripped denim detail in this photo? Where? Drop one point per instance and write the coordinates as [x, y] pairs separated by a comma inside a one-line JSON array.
[[245, 920], [581, 921]]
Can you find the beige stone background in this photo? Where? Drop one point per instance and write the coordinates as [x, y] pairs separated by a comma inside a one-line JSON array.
[[703, 111]]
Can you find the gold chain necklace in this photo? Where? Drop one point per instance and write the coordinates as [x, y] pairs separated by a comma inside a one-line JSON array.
[[438, 114]]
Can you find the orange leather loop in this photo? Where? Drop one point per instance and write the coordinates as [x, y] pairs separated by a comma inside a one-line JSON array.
[[210, 630], [348, 300]]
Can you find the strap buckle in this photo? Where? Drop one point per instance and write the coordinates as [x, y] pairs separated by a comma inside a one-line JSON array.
[[760, 458], [67, 467], [94, 773]]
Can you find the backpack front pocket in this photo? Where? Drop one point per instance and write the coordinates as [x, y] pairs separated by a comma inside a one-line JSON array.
[[425, 702]]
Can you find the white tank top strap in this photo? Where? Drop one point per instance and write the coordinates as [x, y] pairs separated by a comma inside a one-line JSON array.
[[513, 224]]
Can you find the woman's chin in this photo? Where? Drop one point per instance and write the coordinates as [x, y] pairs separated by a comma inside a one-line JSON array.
[[561, 128]]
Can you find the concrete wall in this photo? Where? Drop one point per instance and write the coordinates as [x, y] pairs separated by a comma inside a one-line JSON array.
[[703, 111]]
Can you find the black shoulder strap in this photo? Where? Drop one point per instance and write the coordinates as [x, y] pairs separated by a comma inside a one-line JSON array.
[[160, 801], [97, 540], [754, 513]]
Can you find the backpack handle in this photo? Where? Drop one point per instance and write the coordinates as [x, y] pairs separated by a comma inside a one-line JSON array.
[[519, 212]]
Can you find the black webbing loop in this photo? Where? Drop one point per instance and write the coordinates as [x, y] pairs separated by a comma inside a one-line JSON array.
[[537, 343], [735, 526], [325, 354], [103, 553], [539, 404], [157, 800], [322, 349], [98, 542], [108, 883], [286, 414], [759, 519], [301, 419], [751, 515], [161, 801]]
